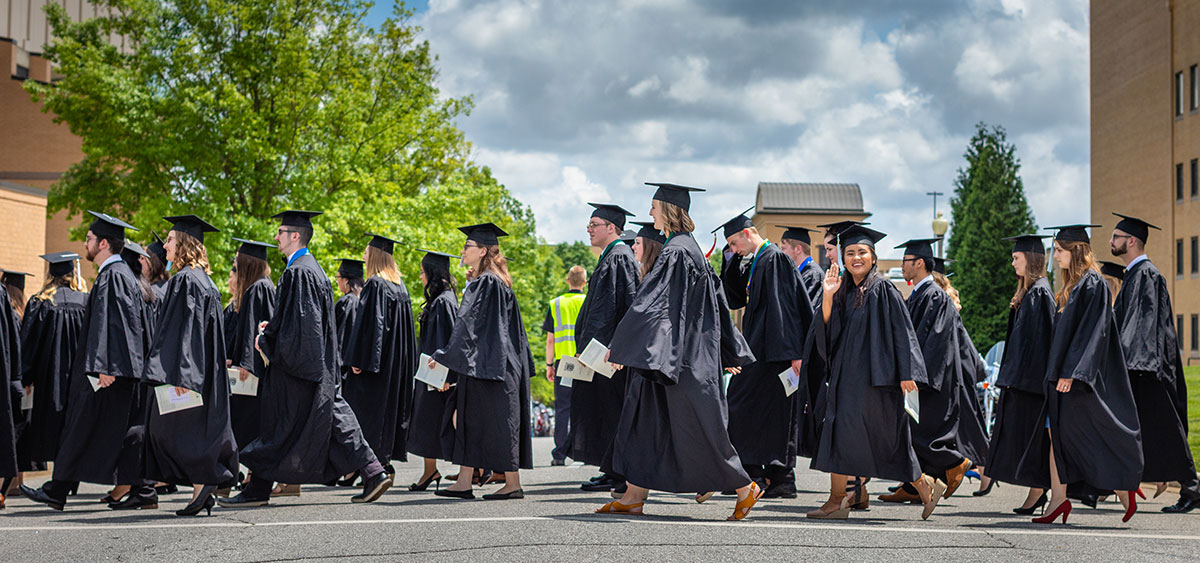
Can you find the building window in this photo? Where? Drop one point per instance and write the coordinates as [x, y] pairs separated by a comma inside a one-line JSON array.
[[1195, 332], [1179, 257], [1195, 177], [1195, 255], [1179, 182], [1179, 94], [1179, 331], [1195, 97]]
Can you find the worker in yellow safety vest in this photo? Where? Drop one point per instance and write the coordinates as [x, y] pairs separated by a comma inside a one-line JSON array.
[[559, 327]]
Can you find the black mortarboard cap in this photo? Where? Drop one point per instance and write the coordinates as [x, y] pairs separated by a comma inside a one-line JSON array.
[[1113, 269], [737, 224], [253, 248], [921, 247], [350, 269], [61, 263], [157, 248], [486, 234], [15, 279], [1072, 233], [382, 243], [1135, 226], [939, 265], [108, 226], [796, 233], [293, 218], [674, 194], [133, 249], [1028, 243], [833, 229], [442, 258], [614, 214], [628, 236], [858, 234], [648, 231], [191, 225]]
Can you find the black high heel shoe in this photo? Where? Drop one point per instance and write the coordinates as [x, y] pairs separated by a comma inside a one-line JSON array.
[[348, 482], [986, 490], [1040, 503], [436, 479], [204, 501]]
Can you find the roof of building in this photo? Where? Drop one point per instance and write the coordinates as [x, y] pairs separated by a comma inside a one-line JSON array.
[[806, 197]]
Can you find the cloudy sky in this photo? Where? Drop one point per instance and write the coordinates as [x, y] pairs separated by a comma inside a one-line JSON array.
[[581, 101]]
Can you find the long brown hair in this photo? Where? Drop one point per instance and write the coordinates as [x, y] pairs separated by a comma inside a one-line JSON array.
[[1082, 260], [382, 264], [1035, 269], [650, 251], [17, 298], [189, 251], [493, 261], [249, 270], [675, 219]]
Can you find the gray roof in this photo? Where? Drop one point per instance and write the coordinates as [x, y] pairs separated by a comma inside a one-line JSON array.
[[800, 197]]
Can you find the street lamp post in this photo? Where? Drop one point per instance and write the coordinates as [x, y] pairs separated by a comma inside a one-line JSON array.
[[940, 225]]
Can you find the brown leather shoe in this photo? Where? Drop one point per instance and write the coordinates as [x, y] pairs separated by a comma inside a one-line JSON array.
[[954, 476], [901, 495]]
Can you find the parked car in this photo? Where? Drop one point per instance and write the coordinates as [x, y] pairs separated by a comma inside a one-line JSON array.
[[895, 273]]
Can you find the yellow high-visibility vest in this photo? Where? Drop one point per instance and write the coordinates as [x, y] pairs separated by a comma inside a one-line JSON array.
[[564, 309]]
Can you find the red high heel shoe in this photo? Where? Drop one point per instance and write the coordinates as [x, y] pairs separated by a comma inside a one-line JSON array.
[[1140, 493], [1132, 505], [1064, 509]]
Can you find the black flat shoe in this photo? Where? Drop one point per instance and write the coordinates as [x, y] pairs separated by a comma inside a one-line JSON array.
[[1182, 507], [38, 495], [985, 491], [348, 482], [424, 484], [243, 501], [455, 494], [137, 502], [166, 489], [601, 485], [519, 493], [1040, 503], [204, 501], [373, 488]]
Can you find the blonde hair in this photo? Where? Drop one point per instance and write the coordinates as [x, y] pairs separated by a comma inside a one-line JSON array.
[[189, 251], [1082, 260], [674, 218], [576, 276], [1035, 269], [943, 282], [68, 279], [382, 264], [493, 261]]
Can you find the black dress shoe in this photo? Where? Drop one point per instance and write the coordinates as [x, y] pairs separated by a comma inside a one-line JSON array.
[[349, 482], [373, 488], [1182, 507], [243, 501], [455, 494], [597, 486], [137, 501], [782, 490], [38, 495], [168, 489], [558, 462], [519, 493]]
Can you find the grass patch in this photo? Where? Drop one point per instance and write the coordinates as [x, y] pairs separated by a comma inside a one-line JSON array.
[[1192, 375]]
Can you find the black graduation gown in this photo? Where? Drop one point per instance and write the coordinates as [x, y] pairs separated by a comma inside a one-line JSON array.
[[10, 357], [869, 348], [675, 340], [489, 357], [50, 336], [101, 438], [229, 321], [812, 279], [935, 321], [345, 311], [1145, 319], [195, 445], [596, 404], [384, 346], [307, 432], [972, 434], [763, 421], [735, 274], [1018, 420], [258, 304], [1094, 426], [425, 430]]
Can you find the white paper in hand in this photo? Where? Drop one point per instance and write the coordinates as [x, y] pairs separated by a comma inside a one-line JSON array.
[[595, 356], [27, 400], [434, 377], [571, 368], [95, 381], [912, 405], [170, 401], [791, 381], [249, 387]]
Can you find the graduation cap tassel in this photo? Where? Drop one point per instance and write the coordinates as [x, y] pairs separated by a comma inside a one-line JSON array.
[[714, 247]]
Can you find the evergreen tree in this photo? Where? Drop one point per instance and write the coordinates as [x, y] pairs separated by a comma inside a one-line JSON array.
[[988, 204]]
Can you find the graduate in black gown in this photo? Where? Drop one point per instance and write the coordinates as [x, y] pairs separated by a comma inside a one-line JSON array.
[[382, 355], [936, 324], [1146, 321], [865, 338], [426, 433], [254, 302], [796, 242], [154, 267], [596, 404], [10, 370], [14, 285], [647, 245], [192, 446], [50, 336], [94, 446], [490, 363], [763, 417], [307, 432], [350, 285], [675, 340], [1022, 373], [1094, 437]]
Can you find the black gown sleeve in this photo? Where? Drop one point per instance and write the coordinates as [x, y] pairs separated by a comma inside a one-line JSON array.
[[190, 347], [116, 327], [258, 304], [935, 332], [1082, 331], [478, 343], [293, 340]]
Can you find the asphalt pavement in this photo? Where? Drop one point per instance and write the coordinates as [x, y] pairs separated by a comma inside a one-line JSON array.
[[555, 522]]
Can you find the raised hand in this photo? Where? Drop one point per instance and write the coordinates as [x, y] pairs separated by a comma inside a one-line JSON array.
[[832, 281]]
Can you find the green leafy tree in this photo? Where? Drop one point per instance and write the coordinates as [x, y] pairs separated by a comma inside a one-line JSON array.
[[988, 204]]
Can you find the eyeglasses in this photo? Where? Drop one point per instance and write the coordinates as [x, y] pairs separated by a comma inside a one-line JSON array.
[[469, 245], [281, 231], [910, 259], [596, 224]]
